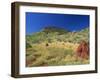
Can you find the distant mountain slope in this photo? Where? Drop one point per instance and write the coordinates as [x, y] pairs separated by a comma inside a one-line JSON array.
[[52, 34], [54, 29]]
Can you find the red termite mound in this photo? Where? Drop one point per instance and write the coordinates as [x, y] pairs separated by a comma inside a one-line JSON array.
[[83, 50]]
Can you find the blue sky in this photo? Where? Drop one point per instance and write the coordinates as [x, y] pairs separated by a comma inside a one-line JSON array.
[[36, 22]]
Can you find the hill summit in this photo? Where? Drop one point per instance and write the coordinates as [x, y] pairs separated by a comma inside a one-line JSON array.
[[49, 29], [51, 34]]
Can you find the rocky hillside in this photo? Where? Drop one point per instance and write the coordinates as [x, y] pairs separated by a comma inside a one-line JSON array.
[[53, 34]]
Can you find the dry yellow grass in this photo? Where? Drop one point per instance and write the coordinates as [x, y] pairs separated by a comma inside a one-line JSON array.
[[64, 45], [56, 53]]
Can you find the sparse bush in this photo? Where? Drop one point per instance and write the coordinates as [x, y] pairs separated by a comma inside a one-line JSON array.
[[53, 47]]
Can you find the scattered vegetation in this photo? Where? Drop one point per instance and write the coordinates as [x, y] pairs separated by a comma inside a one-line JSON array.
[[54, 46]]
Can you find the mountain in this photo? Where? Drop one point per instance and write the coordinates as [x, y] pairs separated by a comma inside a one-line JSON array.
[[51, 34]]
